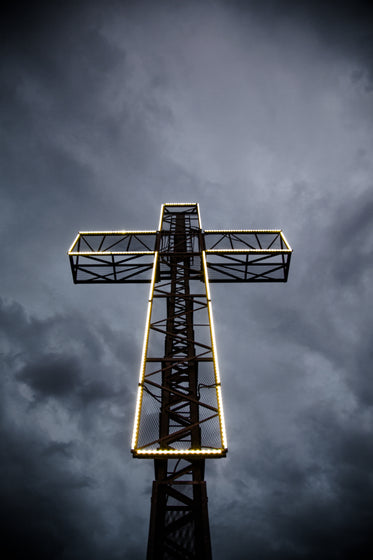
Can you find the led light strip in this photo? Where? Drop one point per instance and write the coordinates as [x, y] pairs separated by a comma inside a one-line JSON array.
[[92, 253], [221, 231], [119, 232], [179, 451], [199, 217], [161, 217], [180, 204], [91, 233], [286, 242], [247, 251], [215, 357], [73, 244], [172, 204], [143, 357], [243, 230]]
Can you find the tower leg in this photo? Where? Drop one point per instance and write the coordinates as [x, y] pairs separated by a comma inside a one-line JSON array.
[[179, 525]]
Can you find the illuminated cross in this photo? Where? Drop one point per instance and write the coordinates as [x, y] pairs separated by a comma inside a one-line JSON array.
[[179, 419]]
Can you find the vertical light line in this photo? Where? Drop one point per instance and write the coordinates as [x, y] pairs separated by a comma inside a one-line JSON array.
[[143, 356], [286, 241], [214, 355], [161, 217], [74, 243], [199, 216]]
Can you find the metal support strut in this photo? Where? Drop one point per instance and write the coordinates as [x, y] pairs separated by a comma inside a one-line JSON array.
[[179, 527]]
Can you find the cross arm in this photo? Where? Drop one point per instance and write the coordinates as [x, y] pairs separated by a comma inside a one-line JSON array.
[[112, 256], [247, 255]]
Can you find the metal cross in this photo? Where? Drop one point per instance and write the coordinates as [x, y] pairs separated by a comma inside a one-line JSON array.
[[179, 420]]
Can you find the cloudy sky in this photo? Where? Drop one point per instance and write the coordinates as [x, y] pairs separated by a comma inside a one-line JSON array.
[[262, 112]]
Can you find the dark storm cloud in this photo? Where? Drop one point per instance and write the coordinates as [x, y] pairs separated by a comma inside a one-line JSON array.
[[54, 375], [47, 487], [51, 374], [57, 69], [82, 373], [307, 409], [262, 112], [318, 508], [348, 25], [37, 491]]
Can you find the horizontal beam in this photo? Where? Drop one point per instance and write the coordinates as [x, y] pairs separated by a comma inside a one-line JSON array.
[[231, 256], [248, 266], [108, 242], [246, 239], [101, 268]]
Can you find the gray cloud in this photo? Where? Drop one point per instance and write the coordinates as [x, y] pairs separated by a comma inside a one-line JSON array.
[[51, 477], [261, 112], [51, 375]]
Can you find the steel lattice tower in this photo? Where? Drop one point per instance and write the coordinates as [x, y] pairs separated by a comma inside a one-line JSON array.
[[179, 419]]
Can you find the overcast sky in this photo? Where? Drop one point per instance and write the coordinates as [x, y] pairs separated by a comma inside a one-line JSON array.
[[262, 112]]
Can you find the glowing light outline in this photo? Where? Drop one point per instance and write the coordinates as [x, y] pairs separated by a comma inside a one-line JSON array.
[[243, 230], [173, 204], [282, 235], [136, 425], [74, 243], [180, 204], [92, 253], [201, 451], [179, 452], [104, 233], [199, 217], [248, 251], [161, 217], [119, 232], [285, 241], [215, 357]]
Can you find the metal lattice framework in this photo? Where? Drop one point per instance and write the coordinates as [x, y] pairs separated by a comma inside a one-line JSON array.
[[231, 256], [179, 419]]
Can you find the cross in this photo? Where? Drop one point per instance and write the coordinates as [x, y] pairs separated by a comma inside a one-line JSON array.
[[179, 420]]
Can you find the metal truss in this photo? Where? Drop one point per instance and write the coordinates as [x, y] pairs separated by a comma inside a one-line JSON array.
[[179, 525], [231, 255], [247, 255], [179, 374], [179, 419], [190, 423], [116, 256]]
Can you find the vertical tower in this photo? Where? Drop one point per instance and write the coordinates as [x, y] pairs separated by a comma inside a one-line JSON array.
[[179, 419]]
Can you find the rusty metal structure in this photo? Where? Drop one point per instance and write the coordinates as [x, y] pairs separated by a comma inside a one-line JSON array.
[[179, 420]]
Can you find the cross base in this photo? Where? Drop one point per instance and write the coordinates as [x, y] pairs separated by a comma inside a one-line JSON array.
[[179, 524]]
